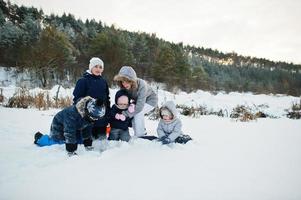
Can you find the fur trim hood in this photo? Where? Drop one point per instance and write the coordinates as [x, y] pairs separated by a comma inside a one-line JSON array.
[[81, 106], [128, 74]]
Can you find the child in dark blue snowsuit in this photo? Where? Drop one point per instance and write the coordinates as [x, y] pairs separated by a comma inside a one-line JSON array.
[[71, 125], [94, 85], [120, 123]]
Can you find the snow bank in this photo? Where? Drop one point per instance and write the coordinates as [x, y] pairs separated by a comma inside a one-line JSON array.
[[273, 105], [227, 160]]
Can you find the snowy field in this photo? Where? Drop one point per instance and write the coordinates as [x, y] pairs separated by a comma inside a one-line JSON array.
[[226, 161]]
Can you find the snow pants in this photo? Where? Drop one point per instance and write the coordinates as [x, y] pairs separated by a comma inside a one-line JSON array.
[[138, 120], [119, 134]]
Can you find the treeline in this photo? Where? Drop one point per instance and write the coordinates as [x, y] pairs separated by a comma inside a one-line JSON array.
[[57, 49]]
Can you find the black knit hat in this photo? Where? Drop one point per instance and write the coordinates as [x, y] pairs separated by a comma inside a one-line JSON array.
[[122, 92], [95, 109]]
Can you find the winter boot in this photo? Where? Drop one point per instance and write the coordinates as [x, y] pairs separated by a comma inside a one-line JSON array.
[[183, 139], [37, 136], [70, 154], [88, 144]]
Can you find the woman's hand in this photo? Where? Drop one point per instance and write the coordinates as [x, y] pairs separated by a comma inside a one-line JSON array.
[[131, 108]]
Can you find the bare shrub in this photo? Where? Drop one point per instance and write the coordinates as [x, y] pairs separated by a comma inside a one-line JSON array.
[[1, 95], [39, 101], [187, 111], [243, 113], [63, 102], [21, 99], [220, 113], [295, 111], [155, 114]]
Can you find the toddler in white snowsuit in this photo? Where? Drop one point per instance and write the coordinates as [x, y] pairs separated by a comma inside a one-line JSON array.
[[170, 126]]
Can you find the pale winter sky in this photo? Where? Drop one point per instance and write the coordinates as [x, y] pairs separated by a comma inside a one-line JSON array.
[[262, 28]]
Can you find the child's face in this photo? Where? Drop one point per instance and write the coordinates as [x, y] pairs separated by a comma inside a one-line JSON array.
[[97, 70], [127, 85], [122, 102], [167, 118], [166, 115]]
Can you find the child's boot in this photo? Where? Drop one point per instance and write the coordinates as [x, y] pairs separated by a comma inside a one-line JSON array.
[[37, 136]]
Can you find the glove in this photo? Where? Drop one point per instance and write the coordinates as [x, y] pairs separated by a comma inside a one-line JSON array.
[[165, 140], [120, 117], [131, 108]]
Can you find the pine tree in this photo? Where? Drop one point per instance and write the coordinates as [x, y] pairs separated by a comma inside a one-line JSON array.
[[52, 53]]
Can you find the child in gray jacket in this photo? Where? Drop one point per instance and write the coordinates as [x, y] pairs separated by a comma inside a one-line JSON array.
[[170, 126]]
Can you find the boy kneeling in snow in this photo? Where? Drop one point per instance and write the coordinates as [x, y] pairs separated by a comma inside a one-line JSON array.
[[120, 123], [170, 126], [72, 124]]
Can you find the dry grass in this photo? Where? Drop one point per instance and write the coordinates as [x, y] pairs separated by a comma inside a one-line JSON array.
[[200, 110], [23, 99], [295, 111], [243, 114]]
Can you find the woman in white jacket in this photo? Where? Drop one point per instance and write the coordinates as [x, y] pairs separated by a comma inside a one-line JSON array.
[[144, 97]]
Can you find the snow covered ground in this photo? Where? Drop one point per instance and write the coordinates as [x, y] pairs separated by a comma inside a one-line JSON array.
[[226, 161]]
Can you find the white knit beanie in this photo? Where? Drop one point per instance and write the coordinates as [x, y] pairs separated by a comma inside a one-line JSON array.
[[95, 61]]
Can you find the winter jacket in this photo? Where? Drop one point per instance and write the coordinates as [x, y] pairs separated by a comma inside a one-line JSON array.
[[95, 87], [115, 123], [68, 121], [172, 129], [141, 93]]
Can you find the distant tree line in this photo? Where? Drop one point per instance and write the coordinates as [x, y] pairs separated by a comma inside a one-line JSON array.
[[57, 49]]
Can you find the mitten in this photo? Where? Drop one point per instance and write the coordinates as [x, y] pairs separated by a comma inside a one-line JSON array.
[[131, 108], [162, 138], [87, 142], [71, 147], [117, 116], [122, 117], [165, 140]]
